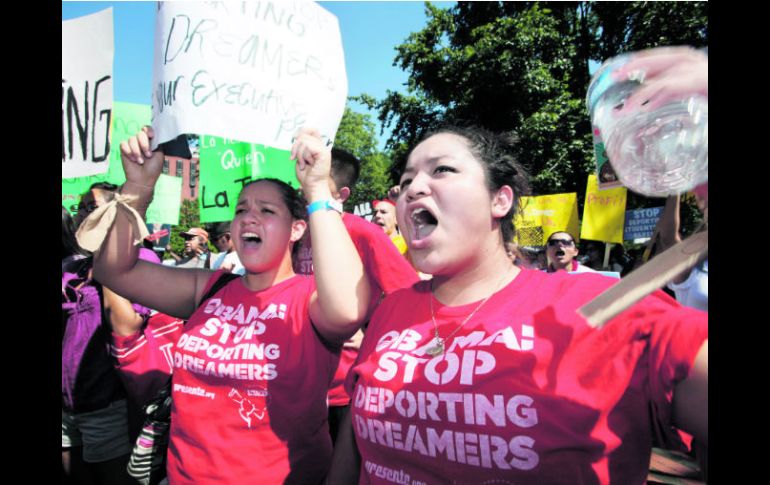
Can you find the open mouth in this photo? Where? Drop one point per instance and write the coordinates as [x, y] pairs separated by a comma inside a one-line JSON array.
[[251, 239], [560, 252], [423, 223]]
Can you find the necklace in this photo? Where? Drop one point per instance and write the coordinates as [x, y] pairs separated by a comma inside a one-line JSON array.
[[437, 345]]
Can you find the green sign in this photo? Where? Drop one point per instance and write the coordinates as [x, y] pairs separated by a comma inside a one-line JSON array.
[[166, 201], [227, 165], [127, 120]]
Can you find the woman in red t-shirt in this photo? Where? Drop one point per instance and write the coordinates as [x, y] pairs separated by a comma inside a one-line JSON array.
[[253, 363], [486, 373]]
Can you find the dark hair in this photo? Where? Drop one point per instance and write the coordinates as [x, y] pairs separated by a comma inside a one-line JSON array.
[[104, 186], [69, 244], [109, 189], [345, 168], [495, 153], [560, 232], [293, 200], [291, 197], [218, 228]]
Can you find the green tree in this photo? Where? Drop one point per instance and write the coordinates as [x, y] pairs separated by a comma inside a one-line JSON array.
[[524, 67], [506, 67], [357, 134]]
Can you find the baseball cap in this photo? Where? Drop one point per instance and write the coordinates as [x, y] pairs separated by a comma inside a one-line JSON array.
[[196, 231]]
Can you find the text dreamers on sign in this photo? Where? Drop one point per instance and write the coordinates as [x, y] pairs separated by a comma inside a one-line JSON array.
[[86, 94], [250, 71]]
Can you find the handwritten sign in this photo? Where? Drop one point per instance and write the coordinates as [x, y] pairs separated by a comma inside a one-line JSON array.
[[640, 223], [127, 120], [86, 94], [603, 213], [543, 215], [251, 71], [227, 165]]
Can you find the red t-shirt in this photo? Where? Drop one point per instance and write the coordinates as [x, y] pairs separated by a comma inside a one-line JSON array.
[[387, 271], [144, 359], [249, 389], [527, 392]]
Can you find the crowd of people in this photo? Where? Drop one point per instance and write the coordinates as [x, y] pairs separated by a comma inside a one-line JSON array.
[[317, 347]]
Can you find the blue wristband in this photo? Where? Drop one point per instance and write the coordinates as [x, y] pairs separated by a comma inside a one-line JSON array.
[[327, 204]]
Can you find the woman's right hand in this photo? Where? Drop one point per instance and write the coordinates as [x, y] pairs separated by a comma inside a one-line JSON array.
[[141, 165]]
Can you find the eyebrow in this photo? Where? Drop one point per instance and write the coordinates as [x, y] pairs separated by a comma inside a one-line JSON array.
[[432, 160], [259, 202]]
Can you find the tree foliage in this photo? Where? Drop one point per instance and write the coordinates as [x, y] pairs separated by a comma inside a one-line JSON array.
[[357, 134], [524, 67]]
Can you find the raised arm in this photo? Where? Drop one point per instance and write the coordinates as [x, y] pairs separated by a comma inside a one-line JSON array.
[[116, 263], [340, 303]]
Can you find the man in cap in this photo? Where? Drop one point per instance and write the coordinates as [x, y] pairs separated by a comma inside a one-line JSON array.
[[196, 251], [227, 259]]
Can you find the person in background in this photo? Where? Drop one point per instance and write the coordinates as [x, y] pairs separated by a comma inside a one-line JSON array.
[[227, 259], [386, 270], [98, 194], [690, 287], [562, 252], [96, 439], [385, 217], [196, 250]]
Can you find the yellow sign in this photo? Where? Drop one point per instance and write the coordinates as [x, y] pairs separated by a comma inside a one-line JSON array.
[[603, 213], [543, 215]]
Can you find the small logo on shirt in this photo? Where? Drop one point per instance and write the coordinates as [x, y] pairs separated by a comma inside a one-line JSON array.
[[246, 408]]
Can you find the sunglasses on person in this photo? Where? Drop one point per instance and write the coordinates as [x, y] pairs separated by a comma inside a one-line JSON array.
[[564, 242]]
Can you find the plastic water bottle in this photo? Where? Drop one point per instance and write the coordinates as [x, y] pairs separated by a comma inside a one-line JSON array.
[[656, 153]]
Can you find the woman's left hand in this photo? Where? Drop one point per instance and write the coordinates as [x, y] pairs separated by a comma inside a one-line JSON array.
[[313, 163]]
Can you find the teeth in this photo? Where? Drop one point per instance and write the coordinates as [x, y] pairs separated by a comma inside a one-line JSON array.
[[415, 216]]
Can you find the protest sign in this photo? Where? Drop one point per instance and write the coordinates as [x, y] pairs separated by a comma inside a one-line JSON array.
[[640, 223], [364, 209], [127, 120], [160, 235], [166, 202], [227, 165], [543, 215], [250, 71], [86, 94], [603, 213]]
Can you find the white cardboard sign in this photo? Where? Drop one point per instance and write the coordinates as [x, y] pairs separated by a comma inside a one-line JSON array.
[[249, 71], [87, 51]]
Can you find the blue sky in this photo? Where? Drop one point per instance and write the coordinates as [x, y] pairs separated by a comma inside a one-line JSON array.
[[370, 32]]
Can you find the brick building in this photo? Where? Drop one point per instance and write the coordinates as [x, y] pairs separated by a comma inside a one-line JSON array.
[[188, 170]]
